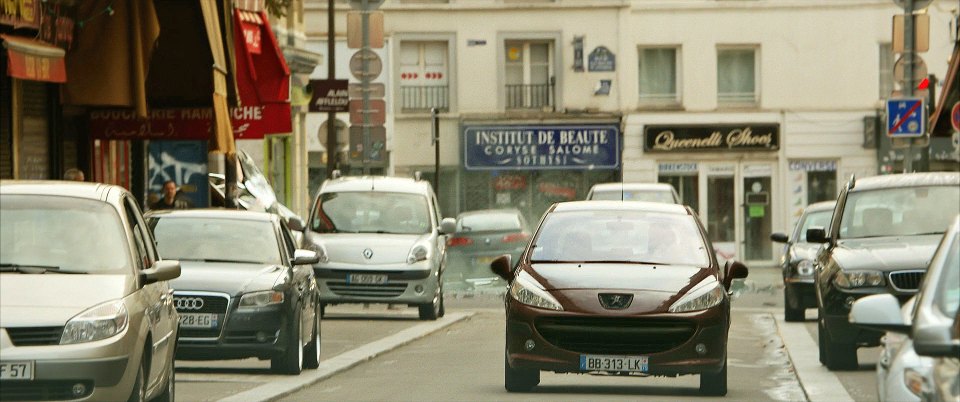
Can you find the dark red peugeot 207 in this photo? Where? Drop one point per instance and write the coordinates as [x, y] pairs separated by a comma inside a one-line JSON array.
[[623, 288]]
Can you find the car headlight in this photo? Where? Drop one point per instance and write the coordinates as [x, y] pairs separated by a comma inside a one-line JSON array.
[[805, 268], [100, 322], [261, 299], [913, 380], [527, 290], [858, 279], [419, 252], [701, 298]]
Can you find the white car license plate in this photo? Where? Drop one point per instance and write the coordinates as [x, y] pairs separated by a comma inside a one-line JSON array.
[[16, 370], [639, 364], [366, 279], [198, 320]]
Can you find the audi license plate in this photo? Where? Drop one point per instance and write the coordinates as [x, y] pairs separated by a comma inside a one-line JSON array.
[[639, 364], [366, 279], [198, 320], [16, 370]]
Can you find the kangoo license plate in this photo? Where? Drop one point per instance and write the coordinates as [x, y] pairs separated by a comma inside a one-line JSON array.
[[366, 279], [639, 364]]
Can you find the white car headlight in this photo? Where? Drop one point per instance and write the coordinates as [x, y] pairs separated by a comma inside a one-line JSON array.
[[527, 290], [261, 299], [100, 322], [858, 279], [805, 268], [708, 294], [419, 252]]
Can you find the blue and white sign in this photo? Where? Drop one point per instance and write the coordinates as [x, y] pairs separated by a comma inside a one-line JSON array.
[[906, 117], [522, 147]]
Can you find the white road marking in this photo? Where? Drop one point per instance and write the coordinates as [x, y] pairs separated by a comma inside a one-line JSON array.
[[287, 385], [818, 383]]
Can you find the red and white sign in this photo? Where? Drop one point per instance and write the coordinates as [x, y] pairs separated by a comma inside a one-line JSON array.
[[955, 116], [249, 123]]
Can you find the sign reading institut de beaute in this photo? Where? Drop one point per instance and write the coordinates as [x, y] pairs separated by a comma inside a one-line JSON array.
[[536, 147], [711, 137]]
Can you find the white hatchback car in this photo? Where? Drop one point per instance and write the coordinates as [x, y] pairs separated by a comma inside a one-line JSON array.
[[380, 240], [652, 192]]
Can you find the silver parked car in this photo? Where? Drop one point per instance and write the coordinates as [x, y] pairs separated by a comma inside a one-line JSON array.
[[651, 192], [85, 308]]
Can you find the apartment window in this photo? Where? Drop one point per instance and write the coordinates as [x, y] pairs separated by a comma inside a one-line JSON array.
[[886, 70], [528, 74], [658, 75], [736, 76], [424, 76]]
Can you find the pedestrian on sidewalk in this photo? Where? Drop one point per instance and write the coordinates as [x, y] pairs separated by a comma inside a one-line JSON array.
[[170, 199]]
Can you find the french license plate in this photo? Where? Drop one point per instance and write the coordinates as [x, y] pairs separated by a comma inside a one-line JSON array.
[[198, 320], [640, 364], [366, 279], [16, 370]]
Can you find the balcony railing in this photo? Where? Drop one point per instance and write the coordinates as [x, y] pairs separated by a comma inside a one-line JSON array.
[[535, 96], [422, 98]]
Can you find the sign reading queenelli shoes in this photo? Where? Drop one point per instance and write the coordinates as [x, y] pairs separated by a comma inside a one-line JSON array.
[[711, 137], [538, 147]]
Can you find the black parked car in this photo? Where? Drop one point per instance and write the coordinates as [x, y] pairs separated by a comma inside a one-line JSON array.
[[245, 290], [797, 260], [882, 235]]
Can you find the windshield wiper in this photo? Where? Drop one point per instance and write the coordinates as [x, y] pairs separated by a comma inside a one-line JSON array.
[[33, 269], [230, 261]]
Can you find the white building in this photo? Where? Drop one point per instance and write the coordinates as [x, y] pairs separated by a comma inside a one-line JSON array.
[[770, 104]]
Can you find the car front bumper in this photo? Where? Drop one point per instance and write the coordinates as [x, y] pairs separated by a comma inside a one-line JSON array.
[[401, 287], [706, 329], [802, 292], [245, 333]]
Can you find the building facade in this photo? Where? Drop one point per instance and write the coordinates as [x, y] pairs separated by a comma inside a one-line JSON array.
[[752, 109]]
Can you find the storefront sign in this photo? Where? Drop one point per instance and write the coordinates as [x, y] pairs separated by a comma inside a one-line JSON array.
[[249, 122], [20, 13], [679, 167], [329, 96], [711, 137], [814, 166], [512, 147]]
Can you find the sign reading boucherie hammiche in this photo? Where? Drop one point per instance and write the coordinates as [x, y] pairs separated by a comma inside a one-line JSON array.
[[711, 137], [537, 147]]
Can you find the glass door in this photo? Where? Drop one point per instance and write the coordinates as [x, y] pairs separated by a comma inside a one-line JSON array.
[[757, 205], [718, 208]]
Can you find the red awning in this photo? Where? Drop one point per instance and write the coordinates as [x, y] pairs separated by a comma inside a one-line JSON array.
[[262, 73], [34, 60]]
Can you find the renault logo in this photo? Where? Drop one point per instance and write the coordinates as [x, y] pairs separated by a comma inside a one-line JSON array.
[[188, 303], [367, 253], [615, 301]]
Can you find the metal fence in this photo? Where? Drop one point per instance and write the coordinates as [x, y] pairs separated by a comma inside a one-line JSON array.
[[535, 96], [422, 98]]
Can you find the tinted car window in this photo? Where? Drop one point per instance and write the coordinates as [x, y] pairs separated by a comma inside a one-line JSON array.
[[634, 195], [372, 212], [899, 211], [72, 234], [489, 221], [621, 236], [216, 239], [819, 219]]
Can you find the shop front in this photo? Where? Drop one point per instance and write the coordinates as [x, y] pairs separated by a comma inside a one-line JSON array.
[[728, 174], [531, 166]]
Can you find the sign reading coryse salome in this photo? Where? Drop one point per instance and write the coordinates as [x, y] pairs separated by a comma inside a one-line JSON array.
[[522, 147]]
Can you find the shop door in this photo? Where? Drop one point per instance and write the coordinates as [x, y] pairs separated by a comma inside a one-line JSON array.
[[718, 207], [736, 206], [757, 212]]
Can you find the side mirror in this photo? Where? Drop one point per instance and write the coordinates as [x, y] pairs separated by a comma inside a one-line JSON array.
[[817, 235], [733, 270], [163, 270], [448, 226], [935, 341], [305, 257], [295, 224], [780, 237], [503, 267], [878, 312]]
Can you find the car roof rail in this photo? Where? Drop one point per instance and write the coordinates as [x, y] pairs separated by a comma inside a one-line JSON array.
[[852, 182]]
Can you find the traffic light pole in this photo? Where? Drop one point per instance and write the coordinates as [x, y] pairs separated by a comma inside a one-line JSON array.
[[908, 56], [331, 75]]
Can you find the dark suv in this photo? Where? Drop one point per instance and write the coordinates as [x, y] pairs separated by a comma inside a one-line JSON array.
[[881, 238]]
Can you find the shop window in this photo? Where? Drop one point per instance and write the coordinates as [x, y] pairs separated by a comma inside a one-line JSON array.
[[658, 75], [424, 76], [821, 186], [737, 76], [886, 70], [528, 73], [720, 209], [687, 186]]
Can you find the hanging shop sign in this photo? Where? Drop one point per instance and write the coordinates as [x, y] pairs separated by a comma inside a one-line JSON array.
[[248, 122], [20, 13], [711, 137], [522, 147]]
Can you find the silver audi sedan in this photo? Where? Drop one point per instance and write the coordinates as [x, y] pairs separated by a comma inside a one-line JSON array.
[[85, 309]]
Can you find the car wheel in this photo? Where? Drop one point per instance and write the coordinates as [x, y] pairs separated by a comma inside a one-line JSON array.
[[311, 352], [791, 314], [714, 384], [518, 380], [139, 391], [291, 361], [431, 311], [170, 391]]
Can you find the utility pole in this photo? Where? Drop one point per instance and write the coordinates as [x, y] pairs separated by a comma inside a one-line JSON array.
[[331, 75], [908, 54], [435, 124]]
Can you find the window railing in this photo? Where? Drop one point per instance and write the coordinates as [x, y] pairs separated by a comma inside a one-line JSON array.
[[423, 97], [535, 96]]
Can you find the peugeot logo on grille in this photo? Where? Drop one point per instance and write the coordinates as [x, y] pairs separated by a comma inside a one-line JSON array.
[[615, 301], [367, 253], [188, 303]]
